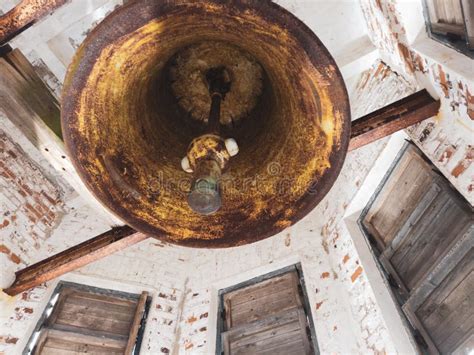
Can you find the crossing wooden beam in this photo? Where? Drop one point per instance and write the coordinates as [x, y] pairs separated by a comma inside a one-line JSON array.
[[73, 258], [392, 118], [23, 15]]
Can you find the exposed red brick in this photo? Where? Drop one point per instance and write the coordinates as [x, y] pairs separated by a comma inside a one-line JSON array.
[[188, 345], [27, 189], [406, 57], [325, 275], [470, 104], [319, 304], [465, 163], [5, 223], [443, 81], [447, 154], [9, 173], [4, 249], [191, 319], [49, 198], [346, 258], [8, 340], [12, 154], [28, 310], [15, 258], [30, 208], [356, 274]]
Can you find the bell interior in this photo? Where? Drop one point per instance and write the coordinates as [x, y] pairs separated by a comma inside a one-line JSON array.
[[127, 132]]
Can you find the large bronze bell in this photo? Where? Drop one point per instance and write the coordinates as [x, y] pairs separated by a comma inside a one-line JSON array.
[[137, 100]]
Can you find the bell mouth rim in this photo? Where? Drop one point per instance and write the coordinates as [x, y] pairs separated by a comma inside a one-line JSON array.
[[83, 63]]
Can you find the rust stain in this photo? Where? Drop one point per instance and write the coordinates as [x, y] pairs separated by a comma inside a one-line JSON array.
[[346, 258], [356, 274], [319, 304], [28, 310], [325, 275]]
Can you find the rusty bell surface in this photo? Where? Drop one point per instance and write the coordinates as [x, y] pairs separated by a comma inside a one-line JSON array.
[[127, 130]]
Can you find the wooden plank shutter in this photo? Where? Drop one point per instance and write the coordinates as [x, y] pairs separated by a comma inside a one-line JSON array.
[[424, 236], [267, 317], [446, 17], [86, 321]]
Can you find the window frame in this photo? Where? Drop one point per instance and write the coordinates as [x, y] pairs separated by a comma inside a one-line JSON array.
[[50, 307], [256, 280]]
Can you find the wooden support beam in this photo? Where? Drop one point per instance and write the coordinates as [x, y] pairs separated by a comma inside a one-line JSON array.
[[23, 15], [392, 118], [71, 259]]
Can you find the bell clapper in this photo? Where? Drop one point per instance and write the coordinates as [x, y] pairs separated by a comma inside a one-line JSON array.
[[209, 154]]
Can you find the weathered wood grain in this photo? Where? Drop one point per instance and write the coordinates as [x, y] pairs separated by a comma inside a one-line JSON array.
[[262, 300], [137, 319], [392, 118], [74, 258], [425, 234]]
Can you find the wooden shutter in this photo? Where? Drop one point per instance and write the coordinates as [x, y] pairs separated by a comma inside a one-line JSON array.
[[442, 309], [424, 234], [446, 17], [94, 323], [452, 17], [267, 318]]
